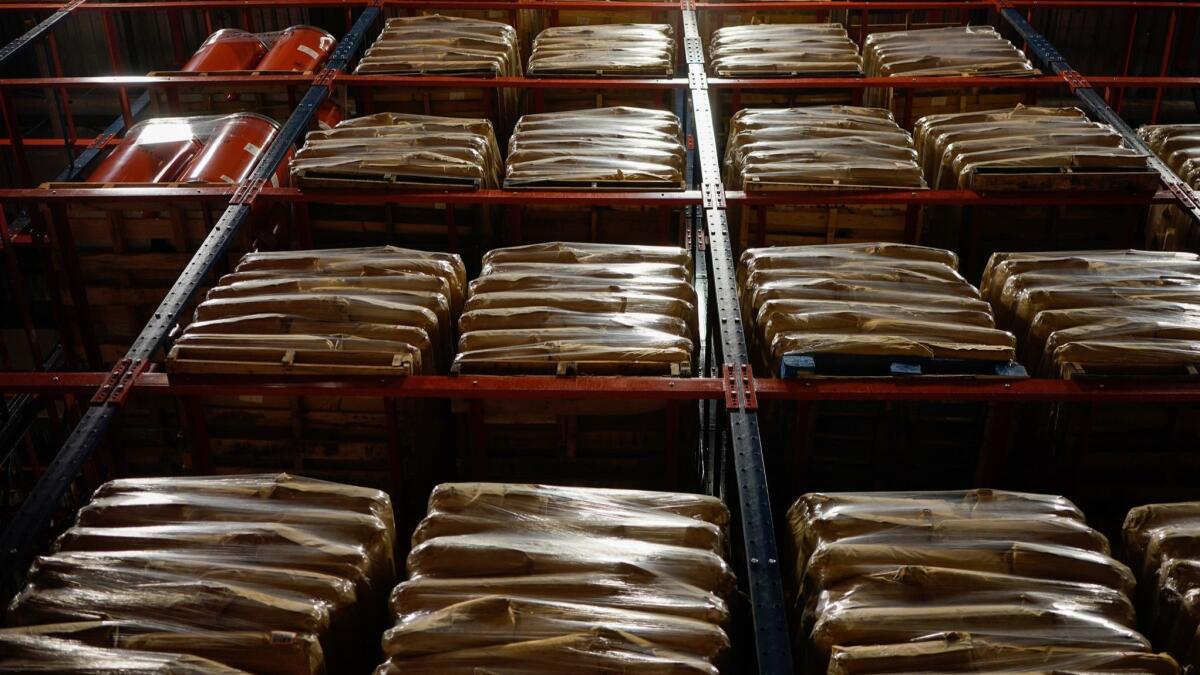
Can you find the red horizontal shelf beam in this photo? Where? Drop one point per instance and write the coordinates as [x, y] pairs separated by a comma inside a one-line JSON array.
[[503, 197], [433, 81], [538, 387], [943, 197], [781, 5]]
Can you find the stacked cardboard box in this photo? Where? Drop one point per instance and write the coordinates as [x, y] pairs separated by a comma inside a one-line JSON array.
[[943, 52], [969, 581], [820, 148], [1179, 146], [261, 573], [540, 579], [1162, 544], [622, 148], [336, 312], [446, 46]]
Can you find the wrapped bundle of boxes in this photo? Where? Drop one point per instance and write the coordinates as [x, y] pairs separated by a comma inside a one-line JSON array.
[[626, 149], [231, 51], [580, 309], [1108, 314], [401, 152], [270, 574], [1030, 149], [821, 148], [775, 50], [378, 311], [1179, 146], [607, 50], [540, 579], [957, 51], [1162, 545], [446, 46], [873, 310], [969, 581]]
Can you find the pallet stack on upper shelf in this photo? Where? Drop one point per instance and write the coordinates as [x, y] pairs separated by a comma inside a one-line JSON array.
[[538, 579], [1108, 315], [1161, 546], [339, 312], [872, 310], [626, 149], [584, 309], [401, 152], [820, 148], [1170, 228]]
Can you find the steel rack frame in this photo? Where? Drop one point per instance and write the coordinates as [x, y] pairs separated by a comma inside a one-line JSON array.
[[726, 384]]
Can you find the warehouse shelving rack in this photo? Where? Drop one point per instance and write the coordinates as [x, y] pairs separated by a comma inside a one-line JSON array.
[[726, 386]]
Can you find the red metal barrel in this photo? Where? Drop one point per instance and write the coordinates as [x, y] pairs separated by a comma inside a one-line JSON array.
[[329, 114], [227, 49], [299, 48], [152, 152], [232, 150]]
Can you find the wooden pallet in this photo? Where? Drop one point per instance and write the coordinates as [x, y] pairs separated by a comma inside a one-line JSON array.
[[571, 368], [1101, 179], [862, 365], [798, 224]]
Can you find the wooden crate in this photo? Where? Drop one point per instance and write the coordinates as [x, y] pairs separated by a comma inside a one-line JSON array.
[[798, 224], [122, 258], [658, 225], [634, 444]]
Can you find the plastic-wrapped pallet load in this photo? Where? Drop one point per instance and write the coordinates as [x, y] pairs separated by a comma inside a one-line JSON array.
[[381, 311], [1162, 543], [783, 50], [535, 579], [974, 581], [580, 307], [858, 306], [1099, 312], [616, 50], [1179, 146], [266, 573], [1029, 149], [820, 148], [446, 46], [1060, 147], [400, 151], [943, 52]]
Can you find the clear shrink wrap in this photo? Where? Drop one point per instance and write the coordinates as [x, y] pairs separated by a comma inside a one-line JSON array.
[[622, 147], [42, 654], [400, 151], [443, 45], [1162, 541], [960, 652], [381, 310], [955, 149], [268, 573], [821, 147], [961, 581], [1179, 146], [597, 307], [554, 577], [615, 50], [788, 49], [266, 652], [868, 300], [1099, 312]]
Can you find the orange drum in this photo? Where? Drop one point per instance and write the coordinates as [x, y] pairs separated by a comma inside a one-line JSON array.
[[329, 114], [226, 49], [300, 49], [150, 153], [232, 150]]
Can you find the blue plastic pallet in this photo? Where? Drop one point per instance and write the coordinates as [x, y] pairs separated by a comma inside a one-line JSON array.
[[861, 365]]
